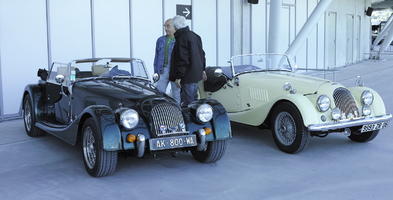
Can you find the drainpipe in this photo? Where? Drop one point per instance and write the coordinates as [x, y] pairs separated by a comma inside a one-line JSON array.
[[386, 42], [311, 23], [383, 33], [275, 24]]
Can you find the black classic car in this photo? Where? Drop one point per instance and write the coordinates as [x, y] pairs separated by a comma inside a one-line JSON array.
[[108, 105]]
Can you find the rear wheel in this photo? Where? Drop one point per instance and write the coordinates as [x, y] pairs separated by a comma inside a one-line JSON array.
[[214, 152], [29, 118], [289, 133], [98, 162], [357, 136]]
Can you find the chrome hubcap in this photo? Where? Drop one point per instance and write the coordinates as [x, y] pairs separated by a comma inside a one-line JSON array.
[[27, 115], [285, 128], [89, 152]]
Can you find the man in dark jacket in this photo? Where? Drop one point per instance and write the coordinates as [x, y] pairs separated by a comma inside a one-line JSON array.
[[188, 61]]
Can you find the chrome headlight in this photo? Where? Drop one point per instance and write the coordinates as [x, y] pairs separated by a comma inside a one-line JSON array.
[[336, 114], [367, 97], [204, 113], [129, 118], [366, 110], [323, 103]]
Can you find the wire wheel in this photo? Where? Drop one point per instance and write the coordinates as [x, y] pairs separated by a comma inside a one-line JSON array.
[[285, 127], [89, 150]]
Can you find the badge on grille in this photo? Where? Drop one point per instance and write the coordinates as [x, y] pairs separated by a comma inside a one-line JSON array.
[[172, 129], [182, 127], [163, 129]]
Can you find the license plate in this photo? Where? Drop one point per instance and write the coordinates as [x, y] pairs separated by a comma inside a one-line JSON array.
[[172, 142], [373, 127]]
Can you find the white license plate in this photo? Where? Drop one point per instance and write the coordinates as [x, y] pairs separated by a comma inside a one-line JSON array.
[[373, 127], [172, 142]]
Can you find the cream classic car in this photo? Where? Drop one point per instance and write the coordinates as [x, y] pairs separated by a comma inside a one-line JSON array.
[[264, 90]]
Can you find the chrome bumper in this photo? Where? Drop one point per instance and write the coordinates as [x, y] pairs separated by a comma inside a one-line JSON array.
[[349, 123]]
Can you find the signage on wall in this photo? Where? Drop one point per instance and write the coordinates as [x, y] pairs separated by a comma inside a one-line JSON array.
[[184, 10]]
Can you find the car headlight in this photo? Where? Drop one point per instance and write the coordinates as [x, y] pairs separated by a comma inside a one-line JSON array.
[[367, 97], [129, 118], [323, 103], [366, 110], [204, 113], [336, 114]]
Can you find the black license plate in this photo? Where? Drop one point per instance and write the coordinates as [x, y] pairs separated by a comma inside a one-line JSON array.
[[373, 127], [172, 142]]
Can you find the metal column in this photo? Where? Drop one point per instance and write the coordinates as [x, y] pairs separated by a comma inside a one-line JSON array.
[[274, 26], [274, 30], [386, 42], [311, 23], [383, 33]]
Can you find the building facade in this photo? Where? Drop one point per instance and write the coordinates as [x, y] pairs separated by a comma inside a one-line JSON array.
[[35, 33]]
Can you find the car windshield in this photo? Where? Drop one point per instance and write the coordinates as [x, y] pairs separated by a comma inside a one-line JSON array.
[[260, 62], [99, 68]]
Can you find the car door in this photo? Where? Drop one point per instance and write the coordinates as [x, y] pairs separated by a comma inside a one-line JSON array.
[[229, 96], [57, 97]]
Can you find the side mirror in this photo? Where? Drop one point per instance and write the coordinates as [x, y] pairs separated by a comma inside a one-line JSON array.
[[43, 74], [295, 67], [218, 72], [60, 79], [156, 77]]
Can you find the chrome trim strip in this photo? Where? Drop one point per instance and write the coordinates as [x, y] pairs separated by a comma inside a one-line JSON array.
[[346, 124]]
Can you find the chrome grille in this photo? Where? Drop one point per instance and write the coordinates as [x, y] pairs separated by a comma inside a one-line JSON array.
[[167, 119], [345, 102]]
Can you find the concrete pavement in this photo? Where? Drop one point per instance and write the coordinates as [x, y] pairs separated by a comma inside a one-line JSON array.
[[252, 168]]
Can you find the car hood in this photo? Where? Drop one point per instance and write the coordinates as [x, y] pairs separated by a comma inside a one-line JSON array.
[[303, 84], [113, 93]]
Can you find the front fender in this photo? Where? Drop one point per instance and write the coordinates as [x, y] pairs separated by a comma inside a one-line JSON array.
[[307, 109], [220, 122], [378, 107], [108, 128]]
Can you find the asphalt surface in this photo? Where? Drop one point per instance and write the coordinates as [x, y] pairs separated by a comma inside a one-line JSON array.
[[252, 168]]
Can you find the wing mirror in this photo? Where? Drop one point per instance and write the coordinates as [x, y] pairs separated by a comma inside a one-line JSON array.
[[295, 67], [59, 78], [218, 72], [156, 77], [43, 74]]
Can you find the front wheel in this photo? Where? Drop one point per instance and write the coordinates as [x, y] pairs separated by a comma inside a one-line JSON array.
[[289, 133], [214, 152], [98, 162], [357, 136]]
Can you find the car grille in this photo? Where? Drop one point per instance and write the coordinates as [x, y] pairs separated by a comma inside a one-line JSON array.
[[346, 103], [167, 119]]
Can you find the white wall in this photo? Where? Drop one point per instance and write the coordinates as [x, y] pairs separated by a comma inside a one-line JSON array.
[[111, 28], [124, 28], [23, 48], [205, 23], [70, 30]]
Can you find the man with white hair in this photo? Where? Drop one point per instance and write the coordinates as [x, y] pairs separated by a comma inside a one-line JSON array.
[[188, 61], [162, 60]]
